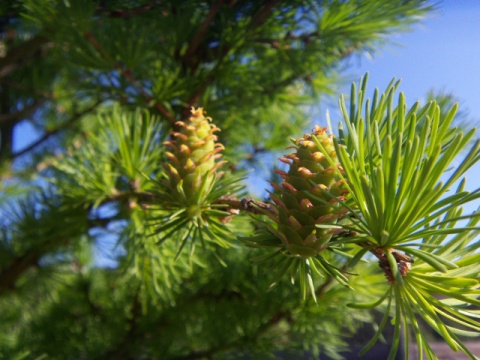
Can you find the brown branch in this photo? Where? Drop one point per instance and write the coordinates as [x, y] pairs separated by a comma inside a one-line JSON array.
[[121, 352], [193, 62], [128, 13], [50, 133], [260, 208], [102, 222], [257, 207], [264, 12], [246, 204], [203, 29], [18, 86], [18, 115], [6, 130], [21, 54], [242, 341], [403, 261], [127, 74], [10, 274], [380, 254], [194, 98]]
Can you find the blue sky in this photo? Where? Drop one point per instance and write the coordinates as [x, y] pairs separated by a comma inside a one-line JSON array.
[[441, 53]]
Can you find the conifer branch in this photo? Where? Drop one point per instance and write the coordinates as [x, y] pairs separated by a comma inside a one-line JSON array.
[[128, 74], [52, 132], [19, 115], [124, 345], [19, 265], [31, 90], [246, 204], [264, 13], [10, 274], [258, 20], [21, 55], [196, 41], [195, 97], [404, 261], [128, 13]]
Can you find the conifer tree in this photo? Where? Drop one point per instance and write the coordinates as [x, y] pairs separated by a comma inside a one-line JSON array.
[[127, 131]]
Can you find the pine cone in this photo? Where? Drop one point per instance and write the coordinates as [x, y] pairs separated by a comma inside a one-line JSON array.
[[192, 158], [308, 196]]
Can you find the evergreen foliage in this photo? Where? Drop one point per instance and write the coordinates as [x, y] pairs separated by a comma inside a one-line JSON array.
[[124, 236]]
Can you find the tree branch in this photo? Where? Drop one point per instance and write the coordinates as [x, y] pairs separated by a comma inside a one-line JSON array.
[[193, 61], [264, 12], [22, 87], [128, 13], [193, 100], [50, 133], [403, 261], [122, 351], [246, 204], [127, 74], [20, 54], [10, 274], [203, 29], [18, 115], [260, 208]]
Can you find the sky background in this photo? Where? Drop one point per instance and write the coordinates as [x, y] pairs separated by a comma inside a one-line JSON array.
[[442, 53]]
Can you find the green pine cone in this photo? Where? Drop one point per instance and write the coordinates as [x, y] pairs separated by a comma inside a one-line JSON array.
[[307, 198], [193, 158], [190, 190]]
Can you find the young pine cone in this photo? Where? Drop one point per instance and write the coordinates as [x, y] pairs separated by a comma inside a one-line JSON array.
[[193, 158], [307, 198]]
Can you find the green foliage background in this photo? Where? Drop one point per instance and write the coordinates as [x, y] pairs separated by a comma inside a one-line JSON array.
[[104, 83]]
